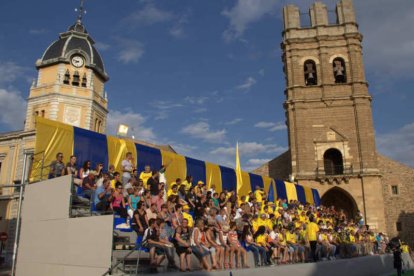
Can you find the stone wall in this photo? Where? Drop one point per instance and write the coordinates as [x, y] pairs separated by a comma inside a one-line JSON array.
[[278, 168], [398, 207]]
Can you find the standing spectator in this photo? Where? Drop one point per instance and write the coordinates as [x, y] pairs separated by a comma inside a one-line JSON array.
[[145, 175], [57, 167], [86, 168], [127, 168], [312, 230], [153, 184]]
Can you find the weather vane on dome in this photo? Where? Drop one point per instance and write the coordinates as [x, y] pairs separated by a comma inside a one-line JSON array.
[[81, 11]]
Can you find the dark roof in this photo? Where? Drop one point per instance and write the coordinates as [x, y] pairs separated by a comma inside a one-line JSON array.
[[75, 40]]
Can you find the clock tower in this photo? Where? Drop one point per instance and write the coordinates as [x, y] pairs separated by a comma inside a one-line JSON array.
[[70, 83]]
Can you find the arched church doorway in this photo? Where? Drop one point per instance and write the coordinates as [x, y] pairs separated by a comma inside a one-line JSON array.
[[340, 199]]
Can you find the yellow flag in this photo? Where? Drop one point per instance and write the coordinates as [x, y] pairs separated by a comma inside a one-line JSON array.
[[238, 172]]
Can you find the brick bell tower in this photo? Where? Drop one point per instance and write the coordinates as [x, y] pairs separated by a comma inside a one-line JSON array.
[[328, 110]]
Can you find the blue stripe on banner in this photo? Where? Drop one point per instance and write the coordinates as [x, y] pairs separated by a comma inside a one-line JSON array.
[[228, 179], [256, 180], [148, 156], [271, 196], [316, 198], [301, 194], [196, 168], [281, 189], [89, 145]]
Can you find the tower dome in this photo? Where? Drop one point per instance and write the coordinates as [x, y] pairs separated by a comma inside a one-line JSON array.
[[75, 41]]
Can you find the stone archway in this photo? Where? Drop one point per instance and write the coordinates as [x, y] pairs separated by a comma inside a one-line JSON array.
[[340, 199]]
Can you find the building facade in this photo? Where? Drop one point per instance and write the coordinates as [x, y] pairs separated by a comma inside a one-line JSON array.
[[330, 128]]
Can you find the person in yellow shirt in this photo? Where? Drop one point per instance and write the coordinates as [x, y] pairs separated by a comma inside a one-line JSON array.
[[145, 175], [258, 194], [188, 182], [117, 178], [291, 241], [188, 216], [173, 191], [312, 230]]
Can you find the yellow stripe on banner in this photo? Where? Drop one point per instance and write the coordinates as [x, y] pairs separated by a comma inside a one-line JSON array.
[[213, 176], [177, 167], [117, 150], [51, 137], [291, 191], [246, 187], [308, 194]]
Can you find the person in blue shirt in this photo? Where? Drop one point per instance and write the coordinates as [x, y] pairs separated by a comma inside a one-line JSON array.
[[103, 196]]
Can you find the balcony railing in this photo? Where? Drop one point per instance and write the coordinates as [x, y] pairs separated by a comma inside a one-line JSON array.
[[334, 170]]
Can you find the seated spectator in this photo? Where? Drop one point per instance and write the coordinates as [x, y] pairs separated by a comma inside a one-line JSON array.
[[72, 170], [140, 220], [236, 249], [89, 185], [188, 182], [183, 249], [116, 179], [57, 167], [103, 196], [197, 247], [151, 241], [145, 175], [86, 168], [111, 171], [188, 216], [119, 206], [133, 200], [152, 212], [158, 199], [164, 235], [259, 253], [212, 235]]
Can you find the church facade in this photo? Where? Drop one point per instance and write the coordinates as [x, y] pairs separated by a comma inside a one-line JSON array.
[[330, 128]]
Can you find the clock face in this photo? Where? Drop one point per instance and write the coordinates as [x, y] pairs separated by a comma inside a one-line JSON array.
[[77, 61]]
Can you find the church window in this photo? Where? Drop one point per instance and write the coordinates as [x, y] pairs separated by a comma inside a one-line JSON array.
[[310, 73], [339, 70], [43, 113], [394, 189], [66, 78], [84, 80], [333, 163], [75, 80], [398, 225], [36, 113]]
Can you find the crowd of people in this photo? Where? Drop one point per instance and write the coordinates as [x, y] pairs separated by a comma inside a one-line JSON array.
[[219, 228]]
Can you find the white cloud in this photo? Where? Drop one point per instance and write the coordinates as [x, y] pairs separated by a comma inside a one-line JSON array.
[[177, 30], [135, 121], [257, 162], [271, 126], [261, 72], [131, 50], [13, 109], [248, 83], [163, 109], [234, 121], [200, 110], [245, 12], [398, 144], [39, 31], [10, 71], [195, 100], [102, 46], [149, 15], [249, 149], [202, 131]]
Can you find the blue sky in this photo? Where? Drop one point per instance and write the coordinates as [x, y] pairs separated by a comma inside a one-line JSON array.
[[201, 75]]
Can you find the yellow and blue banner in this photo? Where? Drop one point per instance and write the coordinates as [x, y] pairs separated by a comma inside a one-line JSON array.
[[53, 137]]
